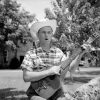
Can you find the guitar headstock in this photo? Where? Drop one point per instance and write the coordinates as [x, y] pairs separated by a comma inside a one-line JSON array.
[[87, 45], [93, 37]]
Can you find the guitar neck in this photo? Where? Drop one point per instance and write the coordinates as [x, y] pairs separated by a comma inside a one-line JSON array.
[[65, 64]]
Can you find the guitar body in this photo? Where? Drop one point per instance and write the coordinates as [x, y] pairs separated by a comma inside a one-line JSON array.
[[47, 86]]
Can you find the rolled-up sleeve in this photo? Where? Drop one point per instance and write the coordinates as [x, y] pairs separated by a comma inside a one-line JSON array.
[[63, 56], [27, 62]]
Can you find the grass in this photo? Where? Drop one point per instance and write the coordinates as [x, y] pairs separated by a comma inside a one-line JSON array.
[[12, 86]]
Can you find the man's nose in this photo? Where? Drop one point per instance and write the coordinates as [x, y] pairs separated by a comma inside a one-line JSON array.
[[46, 34]]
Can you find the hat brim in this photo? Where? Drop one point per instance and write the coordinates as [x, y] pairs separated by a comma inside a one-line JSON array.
[[36, 26]]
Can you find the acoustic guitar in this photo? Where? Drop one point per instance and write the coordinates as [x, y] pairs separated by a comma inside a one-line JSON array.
[[47, 86]]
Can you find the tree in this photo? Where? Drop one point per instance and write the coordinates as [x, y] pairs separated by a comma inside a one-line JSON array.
[[13, 24], [77, 19]]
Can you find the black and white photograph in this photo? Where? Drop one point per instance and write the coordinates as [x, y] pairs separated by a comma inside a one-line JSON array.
[[49, 49]]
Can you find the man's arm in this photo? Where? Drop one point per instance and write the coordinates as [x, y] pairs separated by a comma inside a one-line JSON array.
[[71, 62], [29, 76], [76, 61]]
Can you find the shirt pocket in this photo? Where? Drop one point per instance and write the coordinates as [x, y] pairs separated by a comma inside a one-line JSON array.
[[38, 62]]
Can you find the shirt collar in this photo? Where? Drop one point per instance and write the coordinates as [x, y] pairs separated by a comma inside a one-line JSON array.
[[50, 50]]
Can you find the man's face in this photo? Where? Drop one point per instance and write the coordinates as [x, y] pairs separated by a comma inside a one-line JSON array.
[[45, 34]]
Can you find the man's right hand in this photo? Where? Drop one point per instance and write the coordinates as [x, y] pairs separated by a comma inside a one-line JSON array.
[[55, 70]]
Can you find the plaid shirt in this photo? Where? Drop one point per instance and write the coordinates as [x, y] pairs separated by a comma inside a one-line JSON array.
[[36, 58]]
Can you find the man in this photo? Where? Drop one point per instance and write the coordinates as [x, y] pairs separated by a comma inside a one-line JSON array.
[[41, 62], [45, 53]]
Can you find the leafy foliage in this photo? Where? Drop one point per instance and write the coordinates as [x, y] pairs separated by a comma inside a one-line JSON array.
[[77, 19], [13, 23]]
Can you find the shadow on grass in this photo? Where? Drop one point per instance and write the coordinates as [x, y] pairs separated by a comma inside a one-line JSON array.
[[83, 77], [91, 72], [77, 80], [12, 94]]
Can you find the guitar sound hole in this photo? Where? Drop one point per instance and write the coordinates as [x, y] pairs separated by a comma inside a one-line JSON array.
[[52, 77]]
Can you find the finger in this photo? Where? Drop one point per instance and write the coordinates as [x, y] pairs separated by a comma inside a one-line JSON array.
[[58, 73]]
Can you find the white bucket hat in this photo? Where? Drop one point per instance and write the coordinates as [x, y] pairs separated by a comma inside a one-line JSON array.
[[37, 25]]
